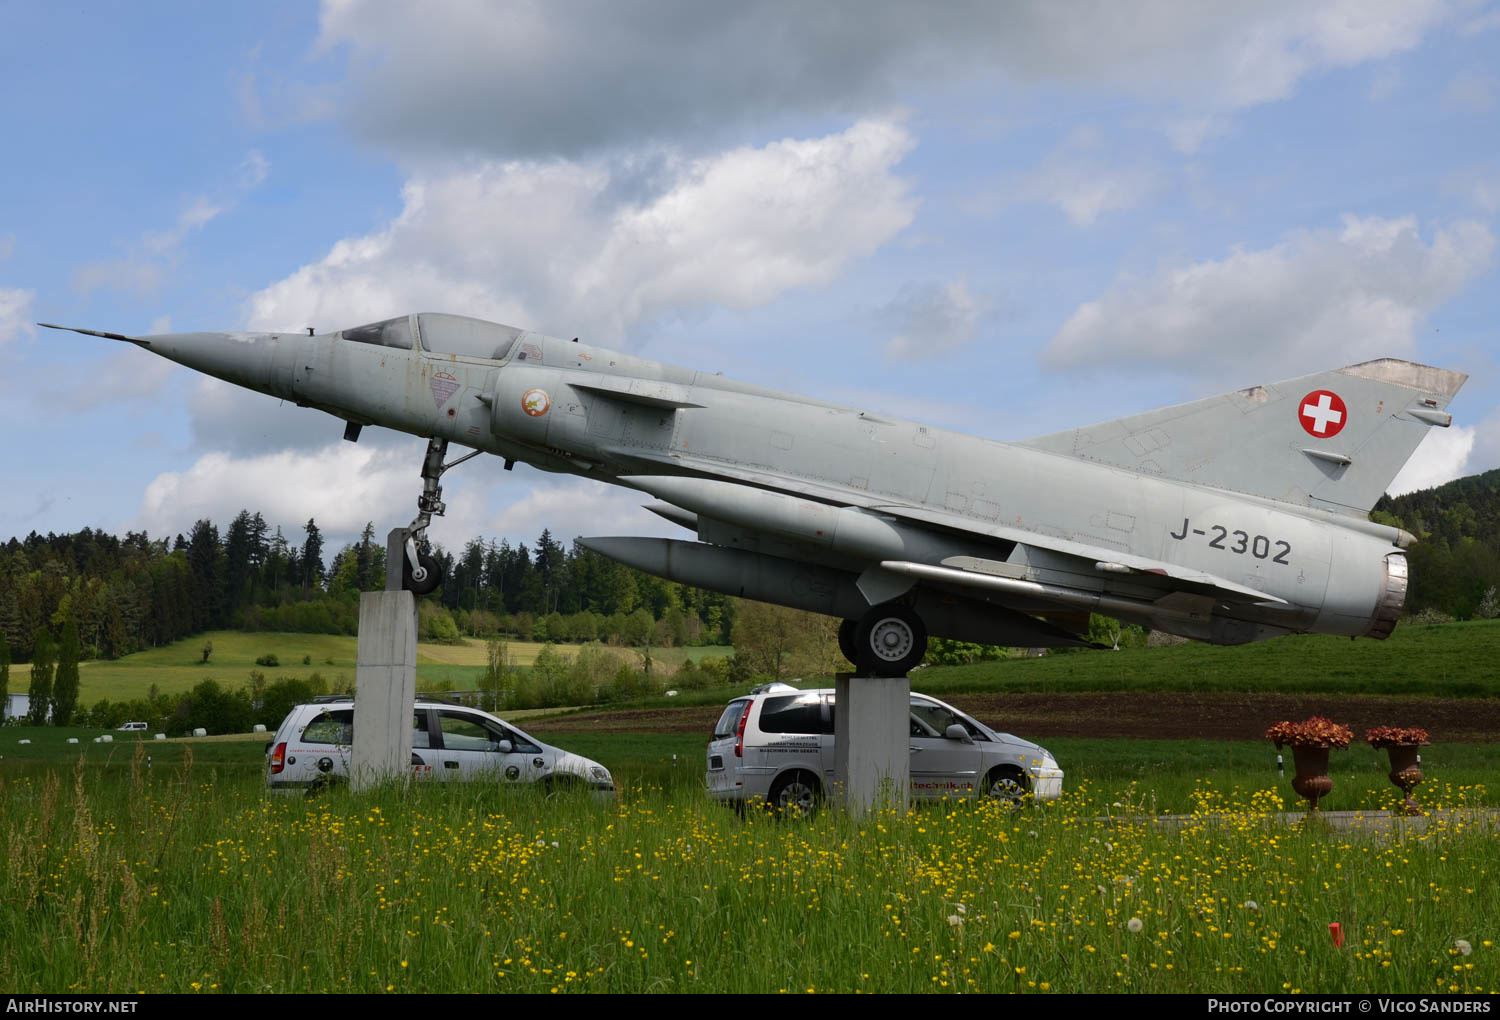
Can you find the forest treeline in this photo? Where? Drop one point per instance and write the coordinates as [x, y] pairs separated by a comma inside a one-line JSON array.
[[127, 594], [1455, 563]]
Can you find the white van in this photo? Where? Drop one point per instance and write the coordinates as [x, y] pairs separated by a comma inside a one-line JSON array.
[[134, 727], [776, 744], [315, 742]]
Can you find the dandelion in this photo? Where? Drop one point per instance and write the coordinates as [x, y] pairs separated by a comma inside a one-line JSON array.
[[1135, 924], [955, 920], [1462, 947]]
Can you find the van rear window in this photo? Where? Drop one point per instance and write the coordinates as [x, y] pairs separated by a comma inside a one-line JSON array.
[[796, 713], [730, 720]]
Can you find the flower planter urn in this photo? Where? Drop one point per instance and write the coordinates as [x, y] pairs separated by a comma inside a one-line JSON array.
[[1312, 782], [1406, 773]]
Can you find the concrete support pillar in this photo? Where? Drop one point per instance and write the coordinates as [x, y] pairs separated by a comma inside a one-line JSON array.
[[385, 681], [872, 742]]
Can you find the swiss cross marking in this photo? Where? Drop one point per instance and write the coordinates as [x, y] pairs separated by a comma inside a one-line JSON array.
[[1322, 413]]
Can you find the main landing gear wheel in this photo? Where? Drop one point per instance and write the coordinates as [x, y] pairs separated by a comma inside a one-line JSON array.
[[846, 640], [890, 641]]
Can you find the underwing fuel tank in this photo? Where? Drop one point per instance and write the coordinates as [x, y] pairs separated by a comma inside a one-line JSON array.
[[843, 531], [824, 590]]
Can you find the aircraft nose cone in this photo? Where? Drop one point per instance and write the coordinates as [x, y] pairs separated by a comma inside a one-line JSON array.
[[244, 359]]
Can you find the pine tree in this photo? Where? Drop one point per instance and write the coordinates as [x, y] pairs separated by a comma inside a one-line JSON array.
[[364, 557], [65, 685], [312, 558], [41, 678], [4, 676]]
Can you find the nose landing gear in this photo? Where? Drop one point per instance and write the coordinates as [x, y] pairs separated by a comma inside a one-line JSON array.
[[420, 573]]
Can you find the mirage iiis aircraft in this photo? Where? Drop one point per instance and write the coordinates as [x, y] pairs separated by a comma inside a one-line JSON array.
[[1228, 519]]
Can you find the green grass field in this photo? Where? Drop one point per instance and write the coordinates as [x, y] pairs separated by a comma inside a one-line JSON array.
[[190, 879], [179, 666], [1443, 660], [1157, 776], [185, 876]]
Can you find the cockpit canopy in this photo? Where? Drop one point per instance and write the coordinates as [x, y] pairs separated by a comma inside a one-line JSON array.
[[465, 337], [386, 333], [440, 334]]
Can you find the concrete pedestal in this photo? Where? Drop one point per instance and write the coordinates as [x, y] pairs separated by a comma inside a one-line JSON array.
[[385, 688], [872, 742]]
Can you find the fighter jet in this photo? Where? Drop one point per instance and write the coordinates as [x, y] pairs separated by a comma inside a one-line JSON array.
[[1229, 519]]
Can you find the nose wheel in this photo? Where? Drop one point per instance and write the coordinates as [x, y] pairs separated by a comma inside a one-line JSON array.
[[421, 574], [889, 640]]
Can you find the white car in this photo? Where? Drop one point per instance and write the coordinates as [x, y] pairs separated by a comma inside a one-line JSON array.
[[776, 744], [313, 745]]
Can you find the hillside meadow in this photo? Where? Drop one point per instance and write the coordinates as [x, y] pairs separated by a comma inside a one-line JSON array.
[[177, 667]]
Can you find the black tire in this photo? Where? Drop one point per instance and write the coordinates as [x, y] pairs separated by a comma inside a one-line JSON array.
[[795, 795], [891, 640], [846, 641], [428, 584], [1007, 784]]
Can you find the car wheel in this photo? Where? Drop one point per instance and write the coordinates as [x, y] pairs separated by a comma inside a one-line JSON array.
[[560, 786], [1006, 784], [795, 794]]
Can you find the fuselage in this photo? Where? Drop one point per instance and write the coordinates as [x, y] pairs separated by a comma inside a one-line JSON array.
[[568, 406]]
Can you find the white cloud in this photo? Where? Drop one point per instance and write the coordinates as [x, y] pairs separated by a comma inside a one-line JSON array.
[[253, 170], [931, 320], [148, 261], [199, 212], [1083, 180], [231, 419], [578, 507], [1187, 133], [143, 270], [1317, 299], [1486, 22], [15, 313], [1386, 83], [342, 486], [125, 374], [1485, 454], [1471, 92], [572, 249], [1441, 457], [572, 76], [1478, 185]]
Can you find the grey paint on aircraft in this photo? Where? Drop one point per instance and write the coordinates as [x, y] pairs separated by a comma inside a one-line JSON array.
[[1227, 519]]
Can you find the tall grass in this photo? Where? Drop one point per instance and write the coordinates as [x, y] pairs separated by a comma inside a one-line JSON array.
[[186, 879]]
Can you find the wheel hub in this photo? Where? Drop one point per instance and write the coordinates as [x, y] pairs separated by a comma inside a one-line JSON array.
[[891, 639]]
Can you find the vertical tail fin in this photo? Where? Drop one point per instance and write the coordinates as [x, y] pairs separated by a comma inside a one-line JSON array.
[[1333, 440]]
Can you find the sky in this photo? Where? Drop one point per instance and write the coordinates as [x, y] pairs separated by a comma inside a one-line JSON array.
[[1005, 219]]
